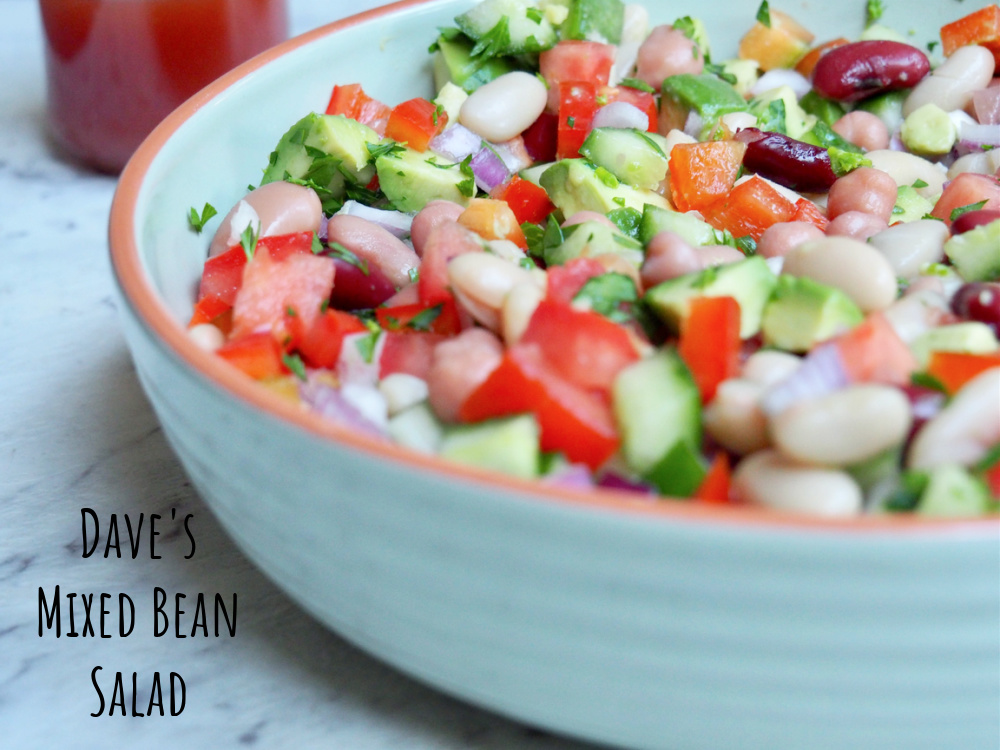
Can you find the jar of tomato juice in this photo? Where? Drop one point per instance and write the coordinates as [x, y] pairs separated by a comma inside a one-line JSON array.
[[118, 67]]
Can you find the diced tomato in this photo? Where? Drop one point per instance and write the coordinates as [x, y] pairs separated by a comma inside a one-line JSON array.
[[439, 318], [806, 210], [493, 219], [527, 200], [702, 173], [446, 241], [710, 342], [351, 101], [642, 100], [714, 487], [954, 369], [415, 122], [575, 60], [572, 421], [749, 209], [408, 353], [208, 309], [980, 27], [577, 106], [222, 276], [299, 280], [257, 354], [281, 246], [807, 64], [540, 138], [873, 353], [584, 347], [966, 189], [320, 343], [566, 280]]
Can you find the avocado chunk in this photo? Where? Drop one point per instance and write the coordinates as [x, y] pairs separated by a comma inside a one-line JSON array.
[[976, 253], [633, 156], [750, 282], [655, 220], [929, 130], [507, 27], [802, 312], [590, 238], [508, 445], [325, 149], [577, 185], [971, 337], [454, 62], [952, 492], [411, 179], [680, 472], [710, 97], [656, 405]]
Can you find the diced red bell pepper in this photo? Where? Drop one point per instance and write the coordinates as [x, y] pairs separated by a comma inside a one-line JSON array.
[[415, 122], [527, 200], [702, 173], [351, 101], [575, 60], [256, 354], [577, 106], [584, 347], [439, 318], [409, 353], [320, 342], [222, 276], [992, 477], [565, 281], [806, 210], [642, 100], [749, 209], [492, 219], [541, 137], [714, 487], [954, 369], [980, 27], [573, 421], [710, 342], [208, 309]]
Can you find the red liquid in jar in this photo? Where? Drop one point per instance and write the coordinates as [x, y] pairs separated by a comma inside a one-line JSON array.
[[116, 68]]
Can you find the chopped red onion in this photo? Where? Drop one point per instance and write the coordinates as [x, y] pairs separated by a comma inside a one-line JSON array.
[[321, 232], [330, 403], [772, 79], [613, 481], [570, 476], [395, 222], [489, 169], [693, 124], [822, 371], [456, 143], [972, 137], [514, 154], [621, 115]]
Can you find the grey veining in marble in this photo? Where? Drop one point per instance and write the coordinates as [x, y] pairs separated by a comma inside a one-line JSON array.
[[76, 432]]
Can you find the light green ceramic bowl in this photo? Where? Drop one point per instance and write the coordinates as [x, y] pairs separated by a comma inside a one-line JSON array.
[[672, 626]]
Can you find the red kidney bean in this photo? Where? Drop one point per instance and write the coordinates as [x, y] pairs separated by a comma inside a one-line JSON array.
[[861, 69], [786, 161], [979, 301], [973, 219], [353, 289]]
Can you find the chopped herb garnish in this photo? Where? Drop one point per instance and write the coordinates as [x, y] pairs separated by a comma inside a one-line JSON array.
[[387, 147], [720, 72], [619, 200], [919, 183], [527, 263], [494, 43], [467, 187], [608, 179], [413, 274], [932, 216], [842, 162], [317, 245], [534, 14], [294, 363], [686, 26], [611, 295], [906, 497], [290, 312], [571, 122], [931, 46], [249, 241], [926, 380], [764, 14], [366, 345], [873, 12], [635, 83], [423, 320], [772, 119], [339, 251], [956, 212], [198, 222], [991, 459], [438, 110]]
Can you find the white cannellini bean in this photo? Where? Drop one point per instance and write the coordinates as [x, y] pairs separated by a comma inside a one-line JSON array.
[[912, 245], [768, 367], [951, 84], [906, 168], [843, 427], [402, 390], [858, 270], [504, 107], [518, 307], [737, 120], [768, 478], [965, 429], [481, 281], [983, 162], [620, 115], [207, 336], [734, 418]]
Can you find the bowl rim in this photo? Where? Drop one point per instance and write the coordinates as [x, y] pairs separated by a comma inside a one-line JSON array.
[[139, 293]]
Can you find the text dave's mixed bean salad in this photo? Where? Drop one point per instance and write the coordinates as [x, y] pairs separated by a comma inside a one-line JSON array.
[[604, 256]]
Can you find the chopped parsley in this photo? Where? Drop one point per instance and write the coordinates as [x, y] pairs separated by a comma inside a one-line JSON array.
[[467, 187], [494, 43], [926, 380], [366, 345], [423, 320], [436, 115], [571, 122], [919, 183], [388, 147], [198, 222], [317, 245], [534, 14], [956, 212], [248, 240], [931, 45], [842, 162], [873, 12], [606, 178], [720, 72], [339, 251], [635, 83], [294, 363], [764, 14], [611, 295]]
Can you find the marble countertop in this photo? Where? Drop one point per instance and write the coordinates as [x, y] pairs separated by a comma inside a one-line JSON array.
[[77, 432]]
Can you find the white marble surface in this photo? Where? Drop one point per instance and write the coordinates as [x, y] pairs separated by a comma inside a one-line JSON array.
[[75, 432]]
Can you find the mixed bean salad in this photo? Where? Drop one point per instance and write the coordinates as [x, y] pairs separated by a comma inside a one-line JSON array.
[[606, 256]]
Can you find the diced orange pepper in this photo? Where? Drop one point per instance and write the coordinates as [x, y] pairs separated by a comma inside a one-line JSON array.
[[806, 210], [955, 369], [492, 220], [415, 122], [980, 27], [256, 354], [749, 209], [807, 64], [872, 352], [702, 173]]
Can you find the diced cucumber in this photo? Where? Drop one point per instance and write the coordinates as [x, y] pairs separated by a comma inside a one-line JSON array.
[[797, 121], [508, 445], [691, 228], [680, 472], [633, 156], [750, 282], [454, 62], [953, 492], [976, 253], [508, 27], [577, 185], [596, 20], [827, 110], [910, 205], [592, 238], [888, 107], [656, 406]]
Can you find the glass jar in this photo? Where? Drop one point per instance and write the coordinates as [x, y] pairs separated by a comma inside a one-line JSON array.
[[117, 67]]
